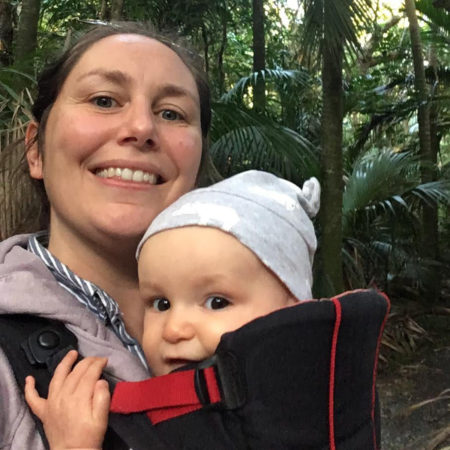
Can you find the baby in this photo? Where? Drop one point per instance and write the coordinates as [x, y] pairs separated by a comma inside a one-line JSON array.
[[214, 260]]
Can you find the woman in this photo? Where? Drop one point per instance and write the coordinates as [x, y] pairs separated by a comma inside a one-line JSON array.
[[120, 127]]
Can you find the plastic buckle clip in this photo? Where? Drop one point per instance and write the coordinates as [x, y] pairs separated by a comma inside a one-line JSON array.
[[201, 388], [46, 346], [229, 378]]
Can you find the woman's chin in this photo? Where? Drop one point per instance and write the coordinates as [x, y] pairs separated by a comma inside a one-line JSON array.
[[126, 224]]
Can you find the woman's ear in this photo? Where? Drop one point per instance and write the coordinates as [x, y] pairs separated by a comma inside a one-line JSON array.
[[34, 156]]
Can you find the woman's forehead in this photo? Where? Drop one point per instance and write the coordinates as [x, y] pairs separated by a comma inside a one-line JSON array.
[[125, 47], [140, 55]]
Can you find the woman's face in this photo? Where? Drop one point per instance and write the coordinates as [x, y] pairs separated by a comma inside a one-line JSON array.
[[123, 140]]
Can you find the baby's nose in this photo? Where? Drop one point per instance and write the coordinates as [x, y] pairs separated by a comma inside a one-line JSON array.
[[177, 328]]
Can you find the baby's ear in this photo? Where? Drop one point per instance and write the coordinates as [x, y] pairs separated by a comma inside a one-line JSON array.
[[34, 156]]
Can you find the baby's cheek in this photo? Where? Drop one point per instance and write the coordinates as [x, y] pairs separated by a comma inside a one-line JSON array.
[[150, 342], [212, 337], [224, 325]]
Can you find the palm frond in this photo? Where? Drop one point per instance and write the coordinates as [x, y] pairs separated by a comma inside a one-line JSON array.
[[433, 192], [11, 70], [378, 180], [288, 80], [439, 17], [9, 91], [243, 139], [356, 255], [333, 23]]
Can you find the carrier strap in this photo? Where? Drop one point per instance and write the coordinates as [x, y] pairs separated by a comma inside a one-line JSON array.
[[168, 396], [34, 346]]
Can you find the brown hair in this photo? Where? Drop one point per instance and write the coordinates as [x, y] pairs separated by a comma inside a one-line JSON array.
[[32, 204]]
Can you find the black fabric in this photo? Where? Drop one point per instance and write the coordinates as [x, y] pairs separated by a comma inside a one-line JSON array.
[[18, 333], [279, 366], [14, 331], [355, 360], [137, 431], [285, 361], [19, 338]]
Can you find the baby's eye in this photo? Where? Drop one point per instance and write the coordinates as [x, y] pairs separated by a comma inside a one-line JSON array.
[[161, 304], [170, 114], [216, 302], [104, 101]]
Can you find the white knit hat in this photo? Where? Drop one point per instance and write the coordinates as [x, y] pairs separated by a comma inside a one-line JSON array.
[[269, 215]]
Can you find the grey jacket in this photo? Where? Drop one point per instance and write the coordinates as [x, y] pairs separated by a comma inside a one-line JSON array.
[[27, 286]]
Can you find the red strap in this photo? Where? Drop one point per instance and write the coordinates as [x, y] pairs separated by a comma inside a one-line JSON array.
[[164, 397], [337, 325]]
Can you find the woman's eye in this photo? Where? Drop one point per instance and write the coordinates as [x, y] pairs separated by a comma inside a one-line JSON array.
[[161, 304], [170, 114], [104, 102], [216, 302]]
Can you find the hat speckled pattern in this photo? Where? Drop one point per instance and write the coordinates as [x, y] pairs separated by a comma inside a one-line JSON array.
[[269, 215]]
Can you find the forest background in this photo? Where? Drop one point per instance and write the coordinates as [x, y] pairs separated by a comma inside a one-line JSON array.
[[354, 92]]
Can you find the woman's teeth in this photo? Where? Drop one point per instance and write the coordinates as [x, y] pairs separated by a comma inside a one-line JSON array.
[[138, 176]]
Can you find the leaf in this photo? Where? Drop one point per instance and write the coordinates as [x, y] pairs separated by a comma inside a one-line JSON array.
[[242, 139], [10, 91]]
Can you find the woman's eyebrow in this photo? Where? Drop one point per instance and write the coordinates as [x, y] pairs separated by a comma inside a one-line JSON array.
[[173, 90], [115, 76]]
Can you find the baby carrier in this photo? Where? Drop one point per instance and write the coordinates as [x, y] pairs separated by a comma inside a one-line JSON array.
[[300, 378]]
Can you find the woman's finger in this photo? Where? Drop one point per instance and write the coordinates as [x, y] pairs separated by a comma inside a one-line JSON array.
[[36, 403]]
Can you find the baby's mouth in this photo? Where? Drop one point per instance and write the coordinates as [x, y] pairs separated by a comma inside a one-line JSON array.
[[128, 174], [177, 363]]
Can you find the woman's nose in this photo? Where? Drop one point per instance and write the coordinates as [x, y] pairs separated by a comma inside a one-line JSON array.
[[139, 126], [178, 327]]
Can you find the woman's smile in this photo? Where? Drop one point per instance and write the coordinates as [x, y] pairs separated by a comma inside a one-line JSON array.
[[127, 174]]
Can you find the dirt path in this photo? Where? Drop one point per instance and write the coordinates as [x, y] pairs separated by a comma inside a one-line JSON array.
[[408, 384]]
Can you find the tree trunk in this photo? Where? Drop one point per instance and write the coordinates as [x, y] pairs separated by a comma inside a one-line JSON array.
[[26, 39], [104, 11], [332, 172], [205, 48], [223, 44], [6, 32], [435, 142], [435, 136], [429, 247], [116, 9], [259, 55]]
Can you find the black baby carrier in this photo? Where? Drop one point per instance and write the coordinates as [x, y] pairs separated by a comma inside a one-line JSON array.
[[300, 378]]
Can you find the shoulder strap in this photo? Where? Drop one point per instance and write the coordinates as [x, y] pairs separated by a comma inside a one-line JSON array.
[[34, 346]]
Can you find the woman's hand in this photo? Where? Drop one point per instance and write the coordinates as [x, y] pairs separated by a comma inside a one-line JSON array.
[[75, 414]]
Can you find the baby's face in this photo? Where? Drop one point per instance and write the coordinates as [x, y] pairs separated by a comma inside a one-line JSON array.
[[197, 284]]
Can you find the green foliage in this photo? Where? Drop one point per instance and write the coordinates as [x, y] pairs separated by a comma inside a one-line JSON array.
[[382, 200], [58, 16], [15, 105], [383, 194], [244, 140], [276, 141], [440, 18], [332, 24]]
